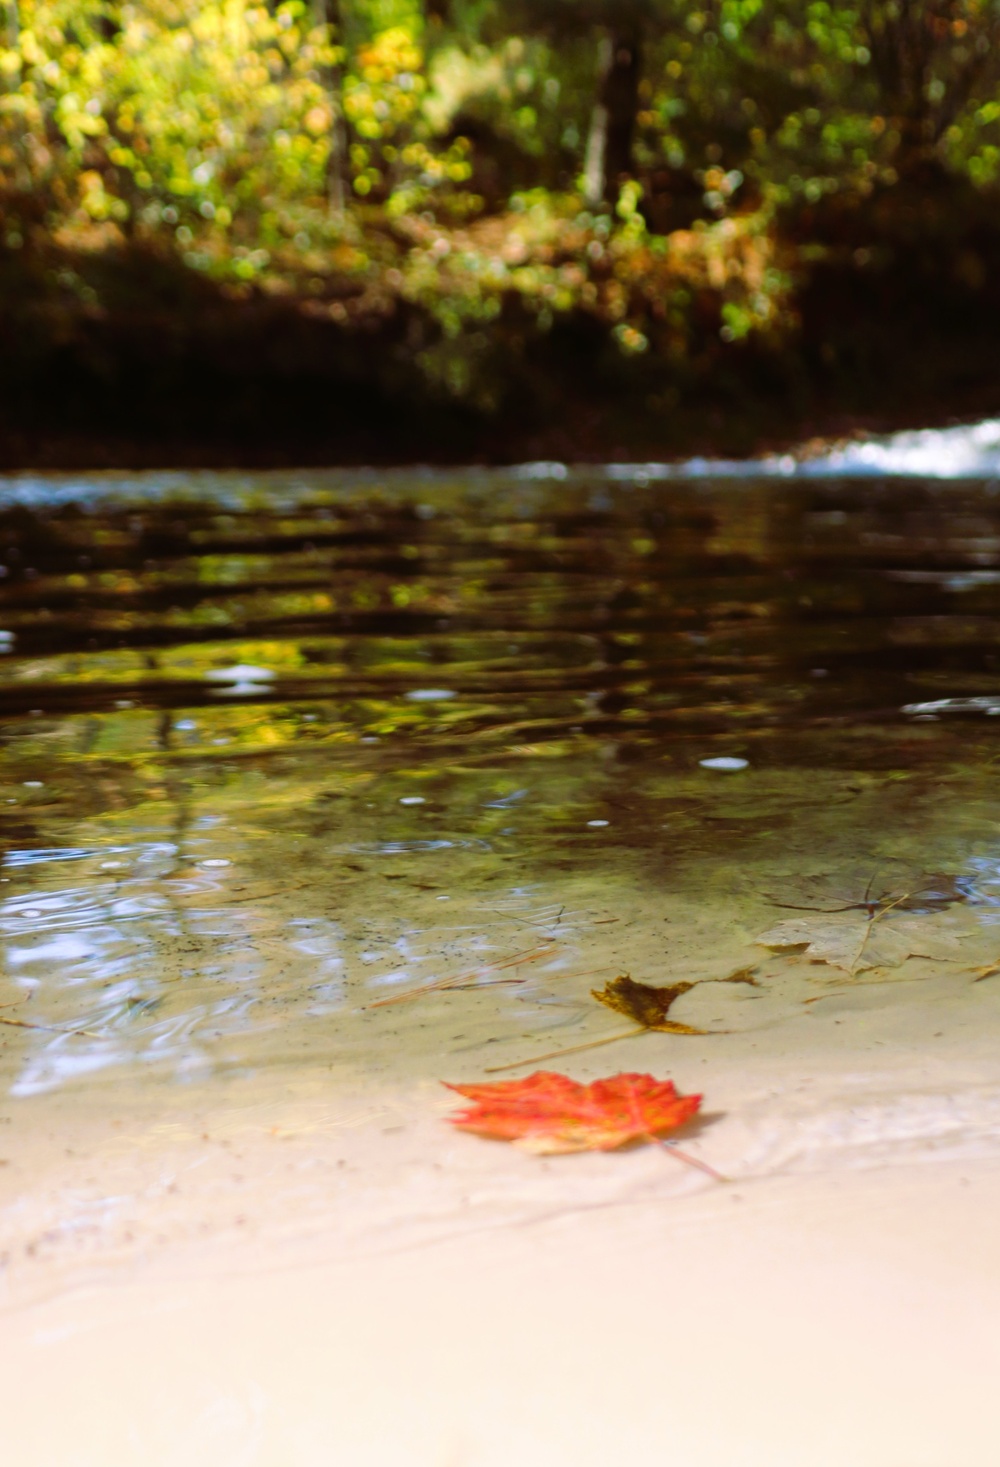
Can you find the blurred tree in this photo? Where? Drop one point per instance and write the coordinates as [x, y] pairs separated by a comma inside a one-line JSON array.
[[618, 31], [483, 175], [330, 16], [609, 159], [929, 58]]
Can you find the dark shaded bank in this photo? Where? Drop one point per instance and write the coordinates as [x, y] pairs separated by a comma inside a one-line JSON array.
[[127, 358]]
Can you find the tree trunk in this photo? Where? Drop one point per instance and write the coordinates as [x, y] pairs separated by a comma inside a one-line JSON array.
[[330, 13], [612, 127], [908, 42]]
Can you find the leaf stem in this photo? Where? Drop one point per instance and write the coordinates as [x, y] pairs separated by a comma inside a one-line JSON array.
[[701, 1166]]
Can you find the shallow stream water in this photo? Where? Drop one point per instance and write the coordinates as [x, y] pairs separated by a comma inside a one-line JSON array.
[[358, 777]]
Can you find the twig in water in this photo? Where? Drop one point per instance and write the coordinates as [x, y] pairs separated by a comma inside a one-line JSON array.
[[50, 1029], [528, 921], [467, 987], [584, 972], [537, 1059], [868, 929], [460, 980]]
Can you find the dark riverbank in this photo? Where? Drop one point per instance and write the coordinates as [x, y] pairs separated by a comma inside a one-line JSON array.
[[124, 356]]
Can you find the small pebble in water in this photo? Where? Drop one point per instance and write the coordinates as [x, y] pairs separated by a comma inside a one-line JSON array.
[[430, 695], [728, 765], [215, 861], [34, 784], [598, 822], [413, 800], [112, 865]]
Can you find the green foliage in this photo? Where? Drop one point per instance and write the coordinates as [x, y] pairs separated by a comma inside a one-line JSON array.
[[371, 156]]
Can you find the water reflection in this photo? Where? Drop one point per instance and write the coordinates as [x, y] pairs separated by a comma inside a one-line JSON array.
[[278, 749]]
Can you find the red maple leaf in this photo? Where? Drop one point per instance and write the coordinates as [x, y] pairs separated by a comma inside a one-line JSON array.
[[547, 1112]]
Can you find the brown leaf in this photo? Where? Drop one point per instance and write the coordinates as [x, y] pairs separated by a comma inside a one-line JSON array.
[[645, 1004], [742, 975]]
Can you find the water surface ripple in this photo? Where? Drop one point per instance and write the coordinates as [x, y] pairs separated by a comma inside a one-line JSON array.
[[280, 746]]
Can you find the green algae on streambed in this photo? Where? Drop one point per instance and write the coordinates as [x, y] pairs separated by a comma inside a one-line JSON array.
[[278, 749]]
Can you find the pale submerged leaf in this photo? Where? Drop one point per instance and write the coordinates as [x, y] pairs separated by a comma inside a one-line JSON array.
[[856, 942]]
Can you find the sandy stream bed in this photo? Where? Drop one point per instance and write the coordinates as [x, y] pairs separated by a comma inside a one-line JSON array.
[[294, 1272]]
